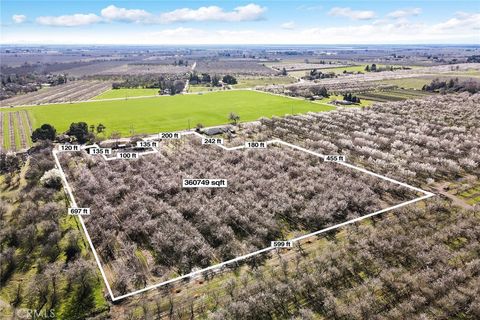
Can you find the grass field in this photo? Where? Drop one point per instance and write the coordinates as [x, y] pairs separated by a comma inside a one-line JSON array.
[[338, 70], [200, 88], [408, 83], [15, 134], [6, 136], [246, 82], [472, 195], [363, 102], [393, 95], [152, 115], [418, 83], [16, 125], [298, 73], [251, 82], [126, 93]]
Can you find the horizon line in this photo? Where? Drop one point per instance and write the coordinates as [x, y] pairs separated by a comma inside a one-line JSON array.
[[244, 44]]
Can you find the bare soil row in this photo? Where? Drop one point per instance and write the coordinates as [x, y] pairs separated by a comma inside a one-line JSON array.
[[71, 91], [23, 125]]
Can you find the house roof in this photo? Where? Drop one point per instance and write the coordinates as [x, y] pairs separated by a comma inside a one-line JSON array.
[[214, 131]]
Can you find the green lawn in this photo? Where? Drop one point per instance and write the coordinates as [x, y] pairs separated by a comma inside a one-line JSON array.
[[363, 102], [339, 70], [202, 88], [16, 126], [393, 95], [251, 82], [165, 113], [410, 83], [298, 73], [126, 93], [6, 134]]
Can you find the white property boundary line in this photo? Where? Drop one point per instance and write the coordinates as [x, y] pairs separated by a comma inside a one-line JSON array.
[[240, 258], [74, 203]]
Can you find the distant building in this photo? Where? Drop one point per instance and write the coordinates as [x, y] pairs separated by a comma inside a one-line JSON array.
[[218, 130], [214, 131], [342, 102]]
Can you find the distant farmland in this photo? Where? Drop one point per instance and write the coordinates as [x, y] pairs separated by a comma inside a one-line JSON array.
[[126, 93], [151, 115], [15, 129]]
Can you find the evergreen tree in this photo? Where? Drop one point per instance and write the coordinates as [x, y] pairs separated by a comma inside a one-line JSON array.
[[80, 131], [45, 132]]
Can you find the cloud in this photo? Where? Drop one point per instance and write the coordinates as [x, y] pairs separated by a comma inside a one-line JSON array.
[[364, 33], [290, 25], [19, 18], [352, 14], [113, 13], [461, 27], [462, 19], [74, 20], [250, 12], [309, 8], [403, 13]]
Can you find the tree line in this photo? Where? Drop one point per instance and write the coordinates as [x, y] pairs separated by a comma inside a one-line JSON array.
[[452, 85], [211, 80], [166, 84], [79, 132], [13, 83]]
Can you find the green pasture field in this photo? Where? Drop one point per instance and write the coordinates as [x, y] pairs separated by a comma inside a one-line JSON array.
[[363, 102], [16, 126], [410, 83], [418, 83], [168, 113], [298, 73], [252, 82], [394, 95], [126, 93], [339, 70], [471, 72], [6, 133], [201, 88]]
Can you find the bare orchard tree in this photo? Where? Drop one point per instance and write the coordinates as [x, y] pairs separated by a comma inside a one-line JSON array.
[[233, 118]]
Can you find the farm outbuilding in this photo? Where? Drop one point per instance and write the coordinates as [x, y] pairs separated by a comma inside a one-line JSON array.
[[218, 130], [342, 102]]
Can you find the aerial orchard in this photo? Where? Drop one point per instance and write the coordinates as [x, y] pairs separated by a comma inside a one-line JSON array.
[[416, 140], [192, 205]]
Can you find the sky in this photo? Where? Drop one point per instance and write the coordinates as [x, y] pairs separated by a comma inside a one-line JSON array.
[[157, 22]]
